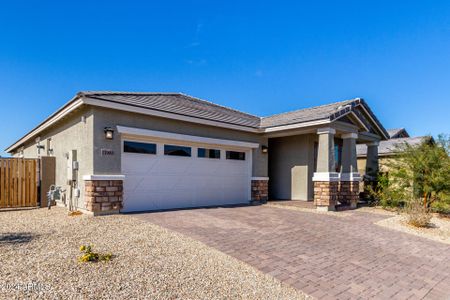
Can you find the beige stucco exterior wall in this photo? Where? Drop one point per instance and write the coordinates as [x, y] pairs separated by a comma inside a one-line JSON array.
[[383, 161], [362, 165], [68, 134], [291, 167], [104, 117]]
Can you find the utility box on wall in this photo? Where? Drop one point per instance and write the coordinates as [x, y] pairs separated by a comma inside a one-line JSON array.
[[72, 166]]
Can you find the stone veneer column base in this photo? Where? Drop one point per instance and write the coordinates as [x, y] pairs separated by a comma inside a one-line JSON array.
[[260, 190], [325, 195], [349, 193], [103, 196]]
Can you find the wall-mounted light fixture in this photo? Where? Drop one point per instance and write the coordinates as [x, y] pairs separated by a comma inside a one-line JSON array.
[[109, 133], [264, 149]]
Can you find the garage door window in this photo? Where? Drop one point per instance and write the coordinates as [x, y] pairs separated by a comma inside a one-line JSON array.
[[177, 150], [235, 155], [208, 153], [141, 148]]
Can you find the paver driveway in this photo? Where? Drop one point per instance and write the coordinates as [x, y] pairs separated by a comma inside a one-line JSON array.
[[324, 256]]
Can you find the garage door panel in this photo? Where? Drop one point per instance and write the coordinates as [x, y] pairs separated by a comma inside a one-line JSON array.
[[235, 169], [176, 198], [154, 182], [140, 199], [234, 180], [133, 182], [138, 164], [205, 167], [172, 165]]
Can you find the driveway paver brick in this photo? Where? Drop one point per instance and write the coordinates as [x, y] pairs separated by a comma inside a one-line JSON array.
[[325, 256]]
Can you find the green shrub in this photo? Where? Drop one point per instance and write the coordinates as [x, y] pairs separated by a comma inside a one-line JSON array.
[[442, 207], [387, 195], [90, 256], [417, 172]]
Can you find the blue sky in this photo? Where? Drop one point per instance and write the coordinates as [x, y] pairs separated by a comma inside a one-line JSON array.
[[256, 56]]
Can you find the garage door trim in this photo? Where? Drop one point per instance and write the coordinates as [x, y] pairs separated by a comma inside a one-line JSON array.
[[160, 138], [140, 132]]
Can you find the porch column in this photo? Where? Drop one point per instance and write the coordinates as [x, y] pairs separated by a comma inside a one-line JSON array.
[[350, 178], [372, 166], [325, 179]]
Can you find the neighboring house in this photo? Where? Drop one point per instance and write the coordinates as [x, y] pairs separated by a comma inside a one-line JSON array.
[[148, 151], [396, 133], [388, 149]]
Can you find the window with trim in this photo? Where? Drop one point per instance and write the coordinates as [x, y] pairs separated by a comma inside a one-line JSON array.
[[174, 150], [208, 153], [140, 148], [235, 155]]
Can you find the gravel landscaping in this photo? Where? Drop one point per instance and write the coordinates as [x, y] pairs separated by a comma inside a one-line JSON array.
[[439, 229], [378, 210], [40, 248]]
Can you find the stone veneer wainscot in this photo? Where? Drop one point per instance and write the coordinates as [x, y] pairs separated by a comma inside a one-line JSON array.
[[325, 194], [349, 193], [103, 194], [260, 189]]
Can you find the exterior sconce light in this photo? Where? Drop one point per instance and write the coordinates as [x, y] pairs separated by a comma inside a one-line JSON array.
[[264, 149], [109, 133], [40, 147]]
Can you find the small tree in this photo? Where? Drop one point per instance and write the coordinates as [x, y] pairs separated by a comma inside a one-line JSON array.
[[417, 172]]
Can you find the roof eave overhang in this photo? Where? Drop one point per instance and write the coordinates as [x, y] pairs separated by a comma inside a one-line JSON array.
[[347, 110], [163, 114], [296, 125], [374, 119], [81, 99]]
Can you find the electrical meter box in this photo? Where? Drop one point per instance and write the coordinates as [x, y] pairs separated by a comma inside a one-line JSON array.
[[72, 166]]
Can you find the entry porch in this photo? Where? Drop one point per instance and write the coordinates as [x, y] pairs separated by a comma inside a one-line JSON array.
[[319, 164]]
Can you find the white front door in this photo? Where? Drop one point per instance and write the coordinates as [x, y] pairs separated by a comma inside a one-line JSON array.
[[157, 177]]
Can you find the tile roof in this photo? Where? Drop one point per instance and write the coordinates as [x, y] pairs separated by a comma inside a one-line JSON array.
[[388, 147], [181, 104], [185, 105], [190, 106], [305, 115]]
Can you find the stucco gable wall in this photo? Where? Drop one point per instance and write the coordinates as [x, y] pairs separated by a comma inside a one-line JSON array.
[[104, 117], [66, 135]]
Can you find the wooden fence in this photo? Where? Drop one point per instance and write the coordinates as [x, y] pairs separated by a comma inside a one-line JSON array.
[[18, 182]]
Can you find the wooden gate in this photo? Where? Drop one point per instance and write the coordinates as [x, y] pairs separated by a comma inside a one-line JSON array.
[[18, 182]]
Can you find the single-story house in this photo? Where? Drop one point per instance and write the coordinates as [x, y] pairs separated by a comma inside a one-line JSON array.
[[388, 149], [128, 152]]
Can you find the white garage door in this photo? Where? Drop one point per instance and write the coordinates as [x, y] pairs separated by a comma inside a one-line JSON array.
[[166, 175]]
